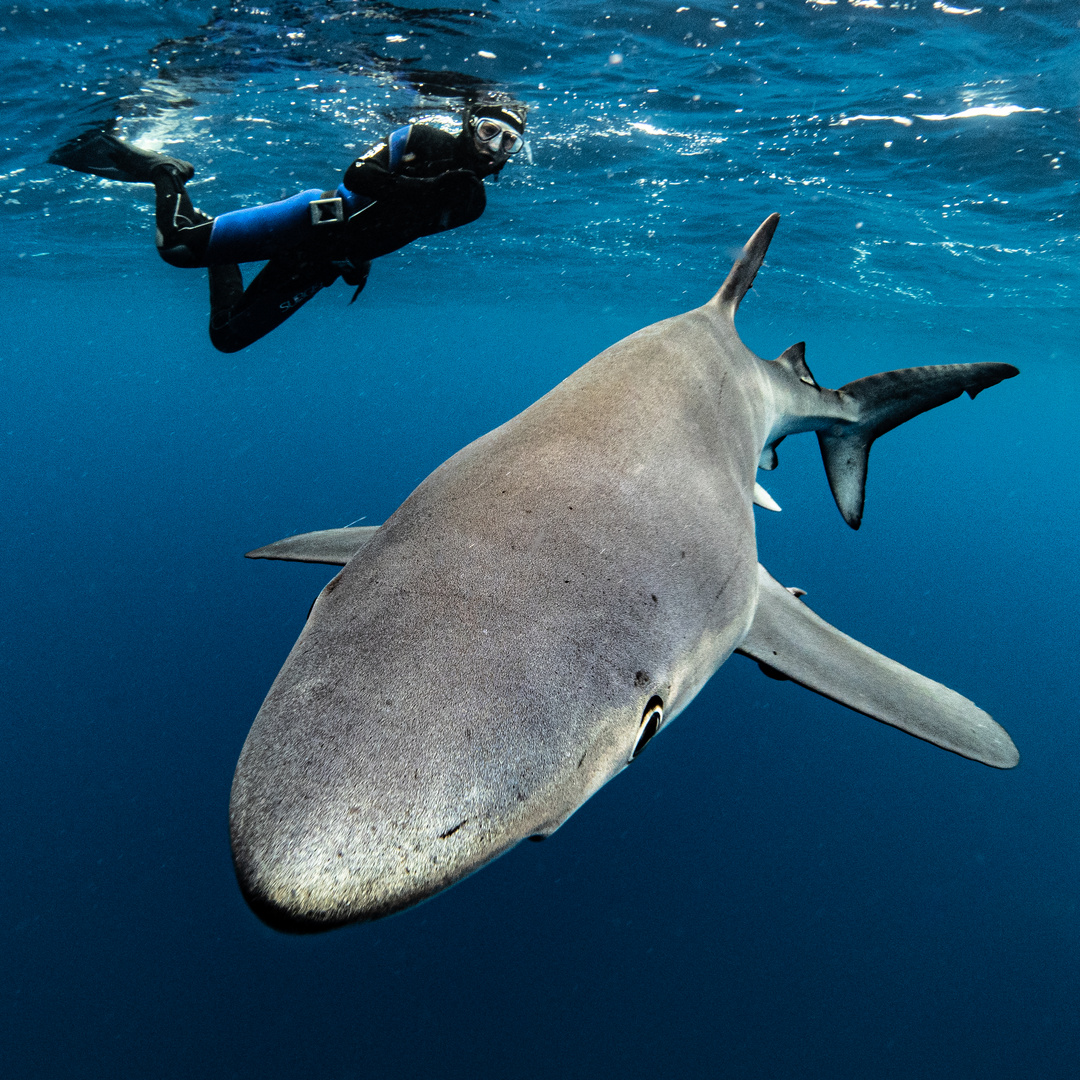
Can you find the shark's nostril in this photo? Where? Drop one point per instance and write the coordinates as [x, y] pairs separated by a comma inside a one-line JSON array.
[[651, 719]]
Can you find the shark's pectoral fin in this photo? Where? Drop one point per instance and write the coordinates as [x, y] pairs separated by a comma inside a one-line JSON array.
[[788, 639], [334, 547]]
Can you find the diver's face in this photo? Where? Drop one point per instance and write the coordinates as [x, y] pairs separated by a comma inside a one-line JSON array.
[[489, 156], [495, 141]]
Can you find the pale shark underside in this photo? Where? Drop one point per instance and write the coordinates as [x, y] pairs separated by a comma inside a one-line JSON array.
[[545, 602]]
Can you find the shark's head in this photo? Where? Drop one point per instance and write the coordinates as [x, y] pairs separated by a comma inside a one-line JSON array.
[[392, 758]]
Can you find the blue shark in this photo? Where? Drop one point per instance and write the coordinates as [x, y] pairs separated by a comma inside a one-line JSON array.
[[547, 601]]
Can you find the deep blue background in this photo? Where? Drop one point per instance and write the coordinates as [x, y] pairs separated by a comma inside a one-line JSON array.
[[779, 887]]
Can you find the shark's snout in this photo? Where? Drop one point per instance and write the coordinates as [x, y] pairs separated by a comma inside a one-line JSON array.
[[285, 918], [370, 820], [311, 859], [297, 894]]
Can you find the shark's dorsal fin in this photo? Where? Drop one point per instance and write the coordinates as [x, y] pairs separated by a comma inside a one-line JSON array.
[[333, 547], [789, 641], [746, 266]]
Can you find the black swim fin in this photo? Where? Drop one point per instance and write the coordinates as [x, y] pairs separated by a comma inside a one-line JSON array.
[[102, 154], [357, 276]]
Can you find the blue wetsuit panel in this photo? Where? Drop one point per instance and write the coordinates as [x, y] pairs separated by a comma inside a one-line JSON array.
[[398, 141], [351, 202], [260, 232]]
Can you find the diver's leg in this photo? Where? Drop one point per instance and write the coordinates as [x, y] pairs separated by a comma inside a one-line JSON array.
[[183, 233], [281, 288], [226, 291]]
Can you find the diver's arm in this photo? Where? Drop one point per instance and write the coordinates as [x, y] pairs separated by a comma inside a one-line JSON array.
[[428, 153], [426, 193], [370, 175]]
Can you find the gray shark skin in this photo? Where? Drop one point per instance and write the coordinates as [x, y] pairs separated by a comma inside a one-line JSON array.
[[545, 602]]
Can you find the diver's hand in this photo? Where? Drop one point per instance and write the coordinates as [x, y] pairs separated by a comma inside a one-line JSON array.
[[459, 198], [375, 182], [457, 186]]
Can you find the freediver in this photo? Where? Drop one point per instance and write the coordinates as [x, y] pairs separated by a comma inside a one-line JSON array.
[[421, 181]]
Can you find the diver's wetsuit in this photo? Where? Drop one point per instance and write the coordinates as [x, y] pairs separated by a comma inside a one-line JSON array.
[[421, 181]]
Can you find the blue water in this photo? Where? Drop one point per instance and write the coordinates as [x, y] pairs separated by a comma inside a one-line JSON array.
[[779, 888]]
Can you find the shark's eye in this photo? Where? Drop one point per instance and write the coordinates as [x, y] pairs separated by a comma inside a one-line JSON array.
[[651, 719]]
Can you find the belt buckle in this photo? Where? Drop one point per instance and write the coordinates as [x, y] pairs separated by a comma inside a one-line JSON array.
[[326, 212]]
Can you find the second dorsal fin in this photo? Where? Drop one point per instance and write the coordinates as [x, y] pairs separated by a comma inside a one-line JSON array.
[[742, 275], [793, 358]]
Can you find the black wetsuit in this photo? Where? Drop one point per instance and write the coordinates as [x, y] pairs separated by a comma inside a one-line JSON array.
[[421, 181]]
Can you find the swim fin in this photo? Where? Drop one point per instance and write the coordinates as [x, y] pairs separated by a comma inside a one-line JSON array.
[[357, 276], [102, 154]]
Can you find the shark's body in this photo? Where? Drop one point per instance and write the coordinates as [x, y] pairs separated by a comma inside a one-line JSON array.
[[544, 602]]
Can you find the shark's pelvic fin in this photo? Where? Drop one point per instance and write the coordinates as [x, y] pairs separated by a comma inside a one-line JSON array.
[[788, 640], [882, 402], [334, 547], [763, 499], [746, 266]]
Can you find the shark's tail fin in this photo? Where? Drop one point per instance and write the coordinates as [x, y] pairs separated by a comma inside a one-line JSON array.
[[883, 402]]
